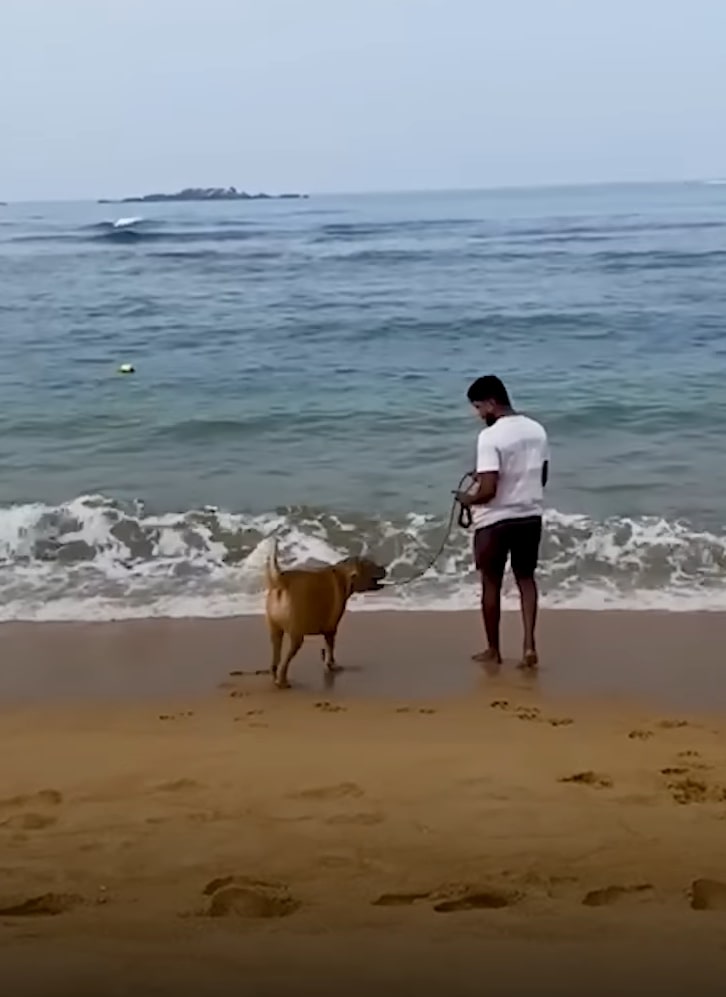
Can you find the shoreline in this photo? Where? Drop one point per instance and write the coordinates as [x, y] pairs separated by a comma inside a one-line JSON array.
[[648, 657]]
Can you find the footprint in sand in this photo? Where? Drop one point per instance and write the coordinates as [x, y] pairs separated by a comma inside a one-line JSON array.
[[614, 894], [708, 894], [477, 900], [672, 724], [687, 790], [44, 797], [29, 822], [691, 763], [327, 707], [531, 713], [359, 819], [448, 900], [242, 896], [527, 713], [178, 786], [640, 735], [589, 779], [338, 792], [47, 905], [521, 712], [400, 899], [205, 816]]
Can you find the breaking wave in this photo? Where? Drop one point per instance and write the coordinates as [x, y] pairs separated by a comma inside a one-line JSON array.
[[95, 558]]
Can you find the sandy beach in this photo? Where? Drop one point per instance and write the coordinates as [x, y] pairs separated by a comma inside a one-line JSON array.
[[167, 826]]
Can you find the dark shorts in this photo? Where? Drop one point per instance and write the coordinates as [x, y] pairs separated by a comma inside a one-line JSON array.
[[515, 538]]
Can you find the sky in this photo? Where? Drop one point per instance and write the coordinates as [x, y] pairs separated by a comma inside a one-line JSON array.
[[117, 97]]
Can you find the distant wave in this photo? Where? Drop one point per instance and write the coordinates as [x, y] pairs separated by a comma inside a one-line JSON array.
[[93, 558], [118, 224], [144, 230], [128, 222], [353, 231], [503, 241], [393, 256], [649, 259]]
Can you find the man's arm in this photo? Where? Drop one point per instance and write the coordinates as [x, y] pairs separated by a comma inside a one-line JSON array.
[[486, 476], [485, 490]]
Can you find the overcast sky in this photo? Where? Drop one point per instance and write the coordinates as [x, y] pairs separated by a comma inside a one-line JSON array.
[[114, 97]]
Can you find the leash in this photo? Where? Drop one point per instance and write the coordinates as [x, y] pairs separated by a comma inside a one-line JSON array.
[[463, 519]]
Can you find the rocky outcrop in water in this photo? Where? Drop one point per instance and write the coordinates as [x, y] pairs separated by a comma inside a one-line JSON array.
[[203, 194]]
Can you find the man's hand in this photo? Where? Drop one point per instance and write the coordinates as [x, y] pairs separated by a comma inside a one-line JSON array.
[[464, 498]]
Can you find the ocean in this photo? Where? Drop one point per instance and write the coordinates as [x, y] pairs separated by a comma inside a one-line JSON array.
[[301, 370]]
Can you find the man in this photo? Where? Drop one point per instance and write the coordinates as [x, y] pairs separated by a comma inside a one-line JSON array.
[[512, 467]]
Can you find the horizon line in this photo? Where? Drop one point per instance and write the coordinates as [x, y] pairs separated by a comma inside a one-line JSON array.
[[394, 192]]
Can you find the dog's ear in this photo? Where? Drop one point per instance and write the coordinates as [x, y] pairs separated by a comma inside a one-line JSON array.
[[353, 567]]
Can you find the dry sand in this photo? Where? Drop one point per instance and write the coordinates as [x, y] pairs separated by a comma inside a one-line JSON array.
[[169, 828]]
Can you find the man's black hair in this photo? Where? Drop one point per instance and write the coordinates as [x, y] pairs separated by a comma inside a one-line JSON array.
[[488, 389]]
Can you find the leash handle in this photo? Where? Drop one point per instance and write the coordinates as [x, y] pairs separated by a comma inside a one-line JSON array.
[[465, 518]]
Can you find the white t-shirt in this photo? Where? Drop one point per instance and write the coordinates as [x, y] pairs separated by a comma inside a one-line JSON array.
[[516, 447]]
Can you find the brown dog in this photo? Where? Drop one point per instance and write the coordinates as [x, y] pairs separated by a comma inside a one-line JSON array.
[[309, 601]]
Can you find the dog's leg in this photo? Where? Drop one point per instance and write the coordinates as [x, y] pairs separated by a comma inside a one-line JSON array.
[[276, 635], [329, 658], [296, 642]]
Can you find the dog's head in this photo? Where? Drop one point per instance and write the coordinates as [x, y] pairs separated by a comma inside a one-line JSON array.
[[364, 574]]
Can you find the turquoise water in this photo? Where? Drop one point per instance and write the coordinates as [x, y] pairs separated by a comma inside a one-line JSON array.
[[302, 366]]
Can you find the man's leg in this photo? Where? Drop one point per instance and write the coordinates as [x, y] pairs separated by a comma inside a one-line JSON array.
[[525, 541], [490, 555], [529, 599]]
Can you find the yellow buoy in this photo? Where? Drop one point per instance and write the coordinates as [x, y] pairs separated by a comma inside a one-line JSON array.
[[126, 368]]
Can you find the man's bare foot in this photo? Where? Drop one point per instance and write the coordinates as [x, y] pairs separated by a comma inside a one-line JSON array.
[[529, 660], [489, 657]]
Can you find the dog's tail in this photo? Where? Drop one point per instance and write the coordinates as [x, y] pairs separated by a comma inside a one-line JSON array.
[[273, 566]]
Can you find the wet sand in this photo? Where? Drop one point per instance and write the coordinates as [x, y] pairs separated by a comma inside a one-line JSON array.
[[670, 659], [169, 828]]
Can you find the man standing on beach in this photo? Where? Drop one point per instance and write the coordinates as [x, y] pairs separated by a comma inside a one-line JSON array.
[[512, 465]]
